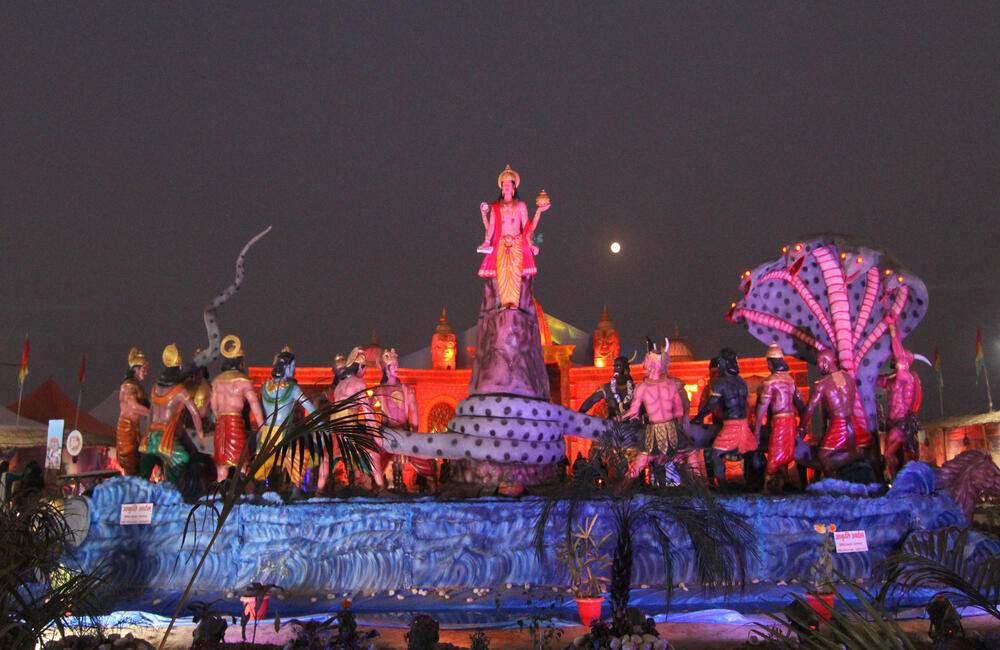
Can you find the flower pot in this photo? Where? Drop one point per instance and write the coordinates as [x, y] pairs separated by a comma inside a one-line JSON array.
[[822, 603], [589, 609], [250, 608]]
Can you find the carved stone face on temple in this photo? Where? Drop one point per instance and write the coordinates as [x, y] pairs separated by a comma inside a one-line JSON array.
[[606, 347], [443, 349]]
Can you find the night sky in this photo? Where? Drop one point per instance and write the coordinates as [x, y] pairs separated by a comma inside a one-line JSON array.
[[141, 144]]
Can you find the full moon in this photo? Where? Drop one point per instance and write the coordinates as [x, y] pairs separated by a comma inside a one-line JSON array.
[[616, 247]]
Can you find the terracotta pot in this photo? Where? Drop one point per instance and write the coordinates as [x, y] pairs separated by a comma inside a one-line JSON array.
[[589, 609], [822, 603], [250, 602]]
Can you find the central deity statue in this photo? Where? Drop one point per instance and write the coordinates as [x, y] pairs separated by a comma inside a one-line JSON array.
[[510, 255], [508, 358]]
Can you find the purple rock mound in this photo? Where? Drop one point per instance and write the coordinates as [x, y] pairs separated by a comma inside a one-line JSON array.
[[509, 358]]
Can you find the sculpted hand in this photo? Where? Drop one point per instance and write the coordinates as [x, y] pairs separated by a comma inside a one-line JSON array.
[[484, 207], [544, 207]]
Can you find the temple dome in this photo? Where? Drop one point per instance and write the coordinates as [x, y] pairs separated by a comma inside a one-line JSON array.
[[680, 349]]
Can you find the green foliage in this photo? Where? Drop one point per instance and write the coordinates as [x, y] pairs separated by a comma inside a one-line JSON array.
[[944, 558], [866, 625], [37, 592], [582, 557], [323, 430], [720, 539]]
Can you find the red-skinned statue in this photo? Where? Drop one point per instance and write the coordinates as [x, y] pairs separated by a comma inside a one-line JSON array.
[[780, 398], [231, 389], [133, 404], [903, 394], [349, 380], [835, 392], [510, 255], [661, 396], [169, 399]]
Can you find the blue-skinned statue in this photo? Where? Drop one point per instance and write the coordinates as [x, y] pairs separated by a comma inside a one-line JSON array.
[[279, 396]]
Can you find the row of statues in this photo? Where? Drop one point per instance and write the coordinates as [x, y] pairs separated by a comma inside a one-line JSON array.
[[668, 434], [231, 405]]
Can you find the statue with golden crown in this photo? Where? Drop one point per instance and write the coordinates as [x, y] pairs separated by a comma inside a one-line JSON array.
[[398, 404], [231, 389], [161, 444], [509, 356], [510, 253], [349, 381], [133, 404]]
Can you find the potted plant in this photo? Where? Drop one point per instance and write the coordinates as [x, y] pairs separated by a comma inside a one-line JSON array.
[[581, 554], [823, 596]]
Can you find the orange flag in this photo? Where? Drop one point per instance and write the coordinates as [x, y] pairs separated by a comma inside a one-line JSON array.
[[24, 363]]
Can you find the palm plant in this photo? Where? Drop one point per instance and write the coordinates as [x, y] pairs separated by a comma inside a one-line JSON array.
[[719, 538], [946, 558], [37, 592], [864, 624], [329, 427]]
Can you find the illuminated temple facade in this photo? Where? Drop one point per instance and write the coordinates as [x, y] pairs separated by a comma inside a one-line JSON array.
[[577, 362]]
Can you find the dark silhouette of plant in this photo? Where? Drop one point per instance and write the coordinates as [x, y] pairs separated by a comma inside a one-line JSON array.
[[864, 624], [479, 641], [720, 539], [338, 632], [210, 623], [423, 634], [329, 427], [946, 559], [38, 592], [259, 592]]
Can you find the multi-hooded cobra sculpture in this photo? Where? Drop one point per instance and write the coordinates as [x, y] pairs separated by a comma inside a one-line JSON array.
[[830, 292]]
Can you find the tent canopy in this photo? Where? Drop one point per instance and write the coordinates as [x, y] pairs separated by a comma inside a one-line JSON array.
[[49, 402]]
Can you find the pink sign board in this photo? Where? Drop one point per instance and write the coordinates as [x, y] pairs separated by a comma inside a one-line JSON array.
[[136, 513], [851, 541]]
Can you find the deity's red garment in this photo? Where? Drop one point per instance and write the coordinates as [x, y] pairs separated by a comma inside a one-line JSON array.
[[735, 434], [781, 447], [230, 438]]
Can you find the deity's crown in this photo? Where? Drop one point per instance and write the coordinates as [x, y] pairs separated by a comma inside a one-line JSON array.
[[287, 349], [339, 362], [231, 347], [357, 355], [136, 358], [774, 351], [508, 174], [388, 356], [172, 356]]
